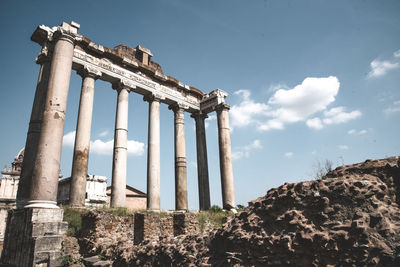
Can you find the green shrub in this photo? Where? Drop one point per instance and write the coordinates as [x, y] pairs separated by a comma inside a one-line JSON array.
[[74, 219], [66, 260], [215, 216], [215, 208]]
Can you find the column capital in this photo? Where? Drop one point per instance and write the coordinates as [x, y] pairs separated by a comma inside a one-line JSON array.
[[89, 71], [178, 106], [153, 97], [124, 84], [199, 115], [45, 54], [68, 32], [222, 106]]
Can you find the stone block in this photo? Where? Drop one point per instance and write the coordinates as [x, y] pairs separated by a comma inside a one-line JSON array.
[[45, 229], [47, 243], [48, 259], [34, 238]]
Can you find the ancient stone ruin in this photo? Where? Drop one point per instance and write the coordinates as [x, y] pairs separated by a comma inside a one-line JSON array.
[[351, 217], [35, 227]]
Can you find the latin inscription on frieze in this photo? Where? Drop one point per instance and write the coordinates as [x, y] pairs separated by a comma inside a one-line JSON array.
[[82, 58]]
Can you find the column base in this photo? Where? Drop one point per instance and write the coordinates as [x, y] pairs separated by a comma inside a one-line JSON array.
[[33, 237], [42, 204]]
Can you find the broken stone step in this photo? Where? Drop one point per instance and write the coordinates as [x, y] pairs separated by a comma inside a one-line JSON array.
[[96, 261]]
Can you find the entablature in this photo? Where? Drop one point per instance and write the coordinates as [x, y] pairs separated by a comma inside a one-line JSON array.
[[131, 65]]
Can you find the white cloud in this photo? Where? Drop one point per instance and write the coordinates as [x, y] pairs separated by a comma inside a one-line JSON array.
[[207, 121], [381, 67], [311, 96], [287, 106], [247, 111], [193, 164], [338, 115], [315, 123], [246, 150], [100, 147], [343, 147], [394, 108], [362, 132], [288, 154], [277, 86], [103, 133], [69, 139], [355, 132], [352, 131]]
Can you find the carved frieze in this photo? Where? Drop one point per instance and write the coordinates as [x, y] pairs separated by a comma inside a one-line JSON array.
[[105, 66]]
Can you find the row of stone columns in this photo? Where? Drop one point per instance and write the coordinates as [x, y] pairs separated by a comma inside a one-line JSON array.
[[39, 177]]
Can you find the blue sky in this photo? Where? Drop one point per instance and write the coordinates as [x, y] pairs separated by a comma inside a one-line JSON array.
[[307, 81]]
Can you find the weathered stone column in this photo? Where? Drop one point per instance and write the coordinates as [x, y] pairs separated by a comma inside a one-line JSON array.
[[225, 157], [181, 199], [47, 166], [118, 183], [82, 138], [202, 162], [153, 154], [35, 124], [34, 234]]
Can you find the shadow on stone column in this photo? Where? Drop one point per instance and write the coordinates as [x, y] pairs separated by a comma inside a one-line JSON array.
[[34, 238]]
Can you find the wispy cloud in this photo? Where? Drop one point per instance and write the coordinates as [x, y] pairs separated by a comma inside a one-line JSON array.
[[100, 147], [277, 86], [288, 106], [288, 154], [104, 133], [343, 147], [207, 121], [246, 150], [393, 108], [355, 132], [339, 115], [380, 68]]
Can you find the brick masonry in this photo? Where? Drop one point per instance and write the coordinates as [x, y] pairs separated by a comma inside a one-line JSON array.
[[151, 227]]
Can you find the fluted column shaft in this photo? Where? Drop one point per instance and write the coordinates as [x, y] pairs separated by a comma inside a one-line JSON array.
[[202, 162], [181, 199], [47, 165], [33, 135], [153, 155], [225, 157], [118, 184], [82, 140]]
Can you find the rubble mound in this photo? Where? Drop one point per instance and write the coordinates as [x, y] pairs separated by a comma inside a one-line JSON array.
[[105, 234], [351, 217]]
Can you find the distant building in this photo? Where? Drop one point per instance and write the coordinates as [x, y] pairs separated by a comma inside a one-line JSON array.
[[97, 192], [135, 199], [8, 189]]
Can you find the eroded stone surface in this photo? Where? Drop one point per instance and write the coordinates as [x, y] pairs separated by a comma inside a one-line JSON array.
[[350, 218]]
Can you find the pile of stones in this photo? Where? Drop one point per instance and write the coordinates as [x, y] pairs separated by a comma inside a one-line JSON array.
[[351, 217]]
